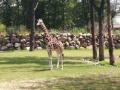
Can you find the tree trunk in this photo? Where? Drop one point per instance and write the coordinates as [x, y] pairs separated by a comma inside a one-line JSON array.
[[32, 25], [101, 44], [111, 55], [100, 16], [93, 31], [63, 15]]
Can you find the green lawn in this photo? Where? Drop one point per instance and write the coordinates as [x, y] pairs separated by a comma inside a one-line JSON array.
[[24, 70]]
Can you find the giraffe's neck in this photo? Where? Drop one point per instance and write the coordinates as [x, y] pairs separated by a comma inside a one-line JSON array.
[[47, 34], [44, 28]]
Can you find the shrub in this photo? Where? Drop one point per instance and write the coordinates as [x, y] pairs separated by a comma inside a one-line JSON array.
[[10, 30], [74, 30], [4, 40], [77, 30], [2, 28], [17, 29], [117, 32], [23, 30], [104, 63], [54, 31]]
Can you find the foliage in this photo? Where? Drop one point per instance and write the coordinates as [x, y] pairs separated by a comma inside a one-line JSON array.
[[18, 30], [3, 40], [74, 30], [55, 31], [10, 13], [78, 15], [2, 28], [10, 30], [77, 30], [25, 12], [57, 14], [104, 63], [23, 30], [104, 16], [116, 32]]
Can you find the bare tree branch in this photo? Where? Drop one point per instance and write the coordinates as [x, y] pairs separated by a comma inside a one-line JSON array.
[[36, 6]]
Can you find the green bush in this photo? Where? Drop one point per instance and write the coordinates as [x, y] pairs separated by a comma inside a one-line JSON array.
[[17, 29], [4, 40], [77, 30], [72, 30], [117, 32], [10, 30], [54, 31], [23, 30], [104, 63], [2, 28]]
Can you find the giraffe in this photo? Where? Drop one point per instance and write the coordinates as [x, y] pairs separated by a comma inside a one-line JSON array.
[[52, 44]]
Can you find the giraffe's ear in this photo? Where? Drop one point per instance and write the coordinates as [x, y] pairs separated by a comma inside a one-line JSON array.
[[40, 19]]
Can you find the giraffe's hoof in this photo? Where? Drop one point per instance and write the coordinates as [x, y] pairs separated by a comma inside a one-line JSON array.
[[50, 69], [57, 67]]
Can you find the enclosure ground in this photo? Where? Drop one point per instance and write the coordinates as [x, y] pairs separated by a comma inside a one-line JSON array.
[[24, 70]]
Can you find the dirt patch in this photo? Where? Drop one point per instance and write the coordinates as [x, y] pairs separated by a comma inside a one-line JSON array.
[[38, 84]]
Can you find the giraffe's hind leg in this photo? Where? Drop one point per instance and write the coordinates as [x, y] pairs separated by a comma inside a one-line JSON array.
[[60, 57], [61, 60]]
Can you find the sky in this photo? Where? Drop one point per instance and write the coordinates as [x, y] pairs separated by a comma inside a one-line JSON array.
[[112, 1]]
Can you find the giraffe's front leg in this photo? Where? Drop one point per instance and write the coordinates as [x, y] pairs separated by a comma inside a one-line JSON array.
[[61, 57], [50, 59], [60, 61]]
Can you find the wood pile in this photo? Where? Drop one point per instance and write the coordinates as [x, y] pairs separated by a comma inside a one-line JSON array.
[[69, 40]]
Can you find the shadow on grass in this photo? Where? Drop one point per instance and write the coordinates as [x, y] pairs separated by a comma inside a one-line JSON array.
[[36, 62], [77, 58], [78, 83], [23, 60]]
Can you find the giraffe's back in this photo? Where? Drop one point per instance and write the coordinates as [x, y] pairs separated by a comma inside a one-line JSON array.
[[54, 44]]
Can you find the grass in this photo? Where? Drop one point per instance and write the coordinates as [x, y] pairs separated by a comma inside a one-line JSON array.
[[26, 70]]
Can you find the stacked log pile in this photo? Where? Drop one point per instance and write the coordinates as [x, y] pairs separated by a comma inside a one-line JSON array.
[[69, 40]]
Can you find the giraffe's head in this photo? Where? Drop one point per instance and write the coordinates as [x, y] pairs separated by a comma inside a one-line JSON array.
[[40, 21]]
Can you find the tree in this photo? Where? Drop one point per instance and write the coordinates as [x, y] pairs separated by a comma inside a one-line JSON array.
[[86, 5], [10, 13], [100, 11], [93, 31], [33, 8], [26, 11], [57, 14], [7, 13], [110, 34], [81, 14]]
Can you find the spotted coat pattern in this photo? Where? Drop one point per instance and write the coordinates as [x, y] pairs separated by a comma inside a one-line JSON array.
[[52, 44]]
